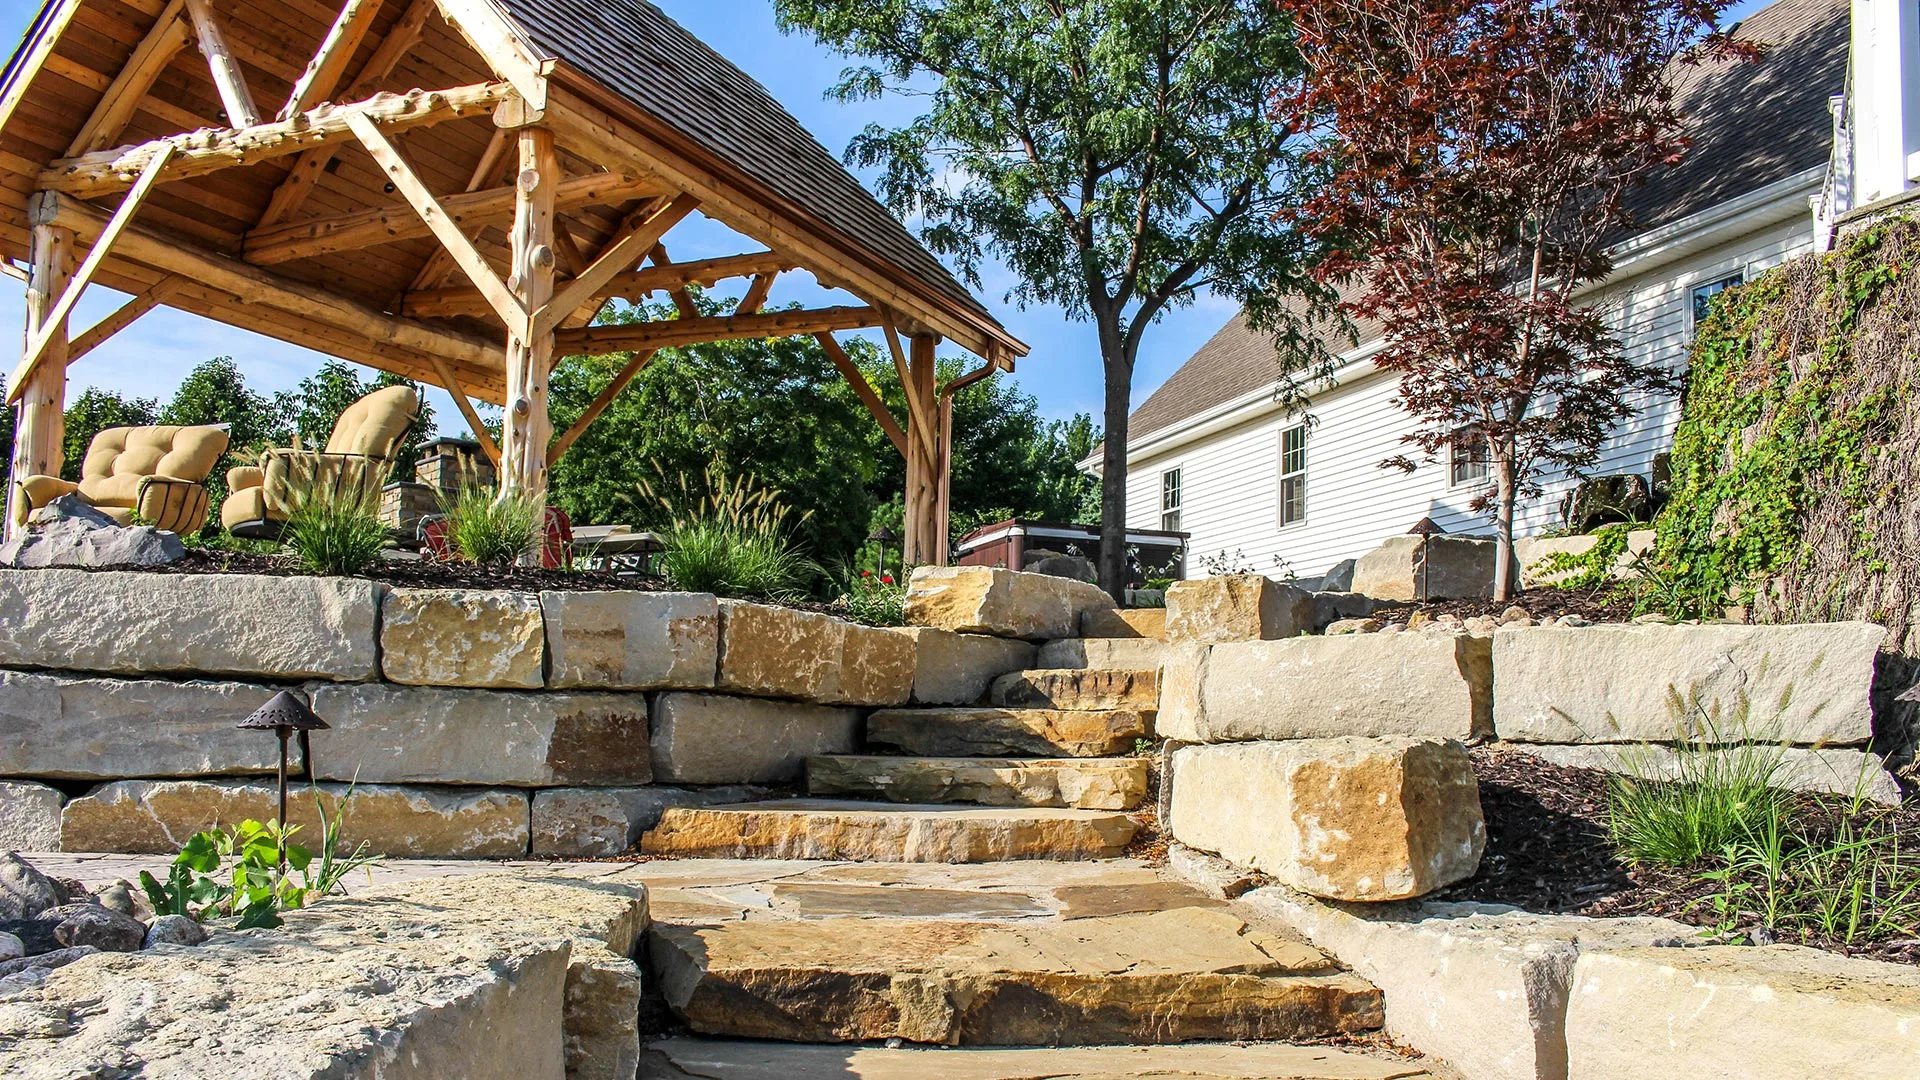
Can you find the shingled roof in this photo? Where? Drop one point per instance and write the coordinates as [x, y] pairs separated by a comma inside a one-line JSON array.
[[1751, 124], [634, 49]]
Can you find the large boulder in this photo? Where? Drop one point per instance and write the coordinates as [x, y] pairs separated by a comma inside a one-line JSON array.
[[1006, 603], [25, 892], [158, 816], [1435, 684], [435, 735], [1427, 568], [632, 640], [717, 739], [1807, 684], [1144, 622], [1777, 1013], [1348, 819], [29, 816], [1236, 607], [108, 729], [783, 652], [1131, 654], [205, 624], [462, 637], [595, 823], [957, 669], [68, 532]]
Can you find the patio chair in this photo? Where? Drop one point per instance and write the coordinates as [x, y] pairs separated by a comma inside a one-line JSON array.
[[360, 452], [158, 473]]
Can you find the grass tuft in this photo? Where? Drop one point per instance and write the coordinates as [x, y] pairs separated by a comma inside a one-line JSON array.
[[333, 520], [734, 540], [492, 529]]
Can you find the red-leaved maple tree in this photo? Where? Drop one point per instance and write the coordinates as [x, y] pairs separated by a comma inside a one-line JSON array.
[[1477, 154]]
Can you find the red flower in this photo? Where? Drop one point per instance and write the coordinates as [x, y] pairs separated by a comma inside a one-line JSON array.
[[886, 579], [866, 573]]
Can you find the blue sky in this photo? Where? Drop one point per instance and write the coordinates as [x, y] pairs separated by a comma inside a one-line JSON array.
[[1063, 372]]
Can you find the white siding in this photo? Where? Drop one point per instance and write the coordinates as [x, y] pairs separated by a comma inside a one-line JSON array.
[[1230, 479]]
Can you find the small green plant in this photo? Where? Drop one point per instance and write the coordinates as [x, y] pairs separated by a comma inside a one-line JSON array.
[[333, 520], [735, 540], [493, 529], [1719, 789], [1144, 748], [874, 599]]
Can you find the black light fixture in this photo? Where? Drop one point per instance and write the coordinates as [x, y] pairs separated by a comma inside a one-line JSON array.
[[882, 536], [283, 716], [1426, 529]]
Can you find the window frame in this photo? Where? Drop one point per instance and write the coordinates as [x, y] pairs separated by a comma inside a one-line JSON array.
[[1454, 444], [1716, 286], [1297, 478], [1177, 489]]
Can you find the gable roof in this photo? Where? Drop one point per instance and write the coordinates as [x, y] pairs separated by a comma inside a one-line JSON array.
[[1752, 124]]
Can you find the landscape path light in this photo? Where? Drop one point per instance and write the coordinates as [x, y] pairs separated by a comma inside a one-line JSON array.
[[285, 715], [883, 536], [1426, 529]]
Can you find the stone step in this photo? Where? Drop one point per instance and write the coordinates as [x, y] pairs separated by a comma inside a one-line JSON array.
[[988, 732], [725, 1059], [869, 832], [1164, 977], [1086, 689], [1128, 654], [1079, 783]]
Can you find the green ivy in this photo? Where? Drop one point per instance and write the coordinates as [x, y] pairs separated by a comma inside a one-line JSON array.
[[1596, 567]]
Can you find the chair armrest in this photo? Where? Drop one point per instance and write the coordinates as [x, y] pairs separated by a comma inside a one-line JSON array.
[[245, 476], [173, 505], [41, 490]]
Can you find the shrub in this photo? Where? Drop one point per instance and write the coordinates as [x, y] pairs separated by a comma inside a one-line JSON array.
[[875, 600], [493, 529], [734, 541], [333, 521], [1720, 797]]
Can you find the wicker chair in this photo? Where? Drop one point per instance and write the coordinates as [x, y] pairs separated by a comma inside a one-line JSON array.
[[360, 451]]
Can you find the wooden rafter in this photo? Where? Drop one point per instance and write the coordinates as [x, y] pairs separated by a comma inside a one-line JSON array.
[[197, 153], [329, 65], [56, 320], [484, 24], [599, 404], [572, 260], [460, 401], [122, 317], [312, 164], [668, 333], [632, 285], [682, 299], [116, 107], [388, 224], [435, 270], [223, 65], [618, 256], [864, 391], [756, 297]]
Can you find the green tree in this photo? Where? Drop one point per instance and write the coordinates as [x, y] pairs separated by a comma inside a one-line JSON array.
[[1116, 154], [215, 392], [315, 408], [94, 411]]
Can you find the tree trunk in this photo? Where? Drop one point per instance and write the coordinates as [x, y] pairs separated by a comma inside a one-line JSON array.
[[1113, 474], [1503, 526]]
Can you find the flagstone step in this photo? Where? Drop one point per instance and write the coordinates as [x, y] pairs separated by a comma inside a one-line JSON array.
[[1079, 783], [876, 832], [988, 732], [1175, 976], [1078, 688], [688, 1058]]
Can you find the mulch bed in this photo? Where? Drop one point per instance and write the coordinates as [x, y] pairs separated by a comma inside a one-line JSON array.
[[1547, 851], [1594, 605]]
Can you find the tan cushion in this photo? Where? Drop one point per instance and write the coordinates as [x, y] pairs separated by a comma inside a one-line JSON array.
[[245, 476], [188, 453], [248, 504], [119, 489], [41, 490], [374, 425]]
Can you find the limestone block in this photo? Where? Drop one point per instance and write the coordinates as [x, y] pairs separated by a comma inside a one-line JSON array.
[[984, 732], [69, 728], [1236, 607], [957, 669], [1434, 684], [1078, 688], [1835, 771], [29, 816], [632, 640], [433, 735], [1132, 654], [1531, 553], [590, 823], [720, 1059], [1348, 818], [877, 832], [1078, 783], [1441, 568], [1332, 607], [1806, 684], [717, 739], [208, 624], [1125, 623], [782, 652], [1777, 1013], [462, 637], [1006, 603], [157, 817], [1482, 986]]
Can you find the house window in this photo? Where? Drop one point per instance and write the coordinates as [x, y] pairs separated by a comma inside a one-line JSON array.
[[1293, 475], [1170, 500], [1469, 458], [1703, 295]]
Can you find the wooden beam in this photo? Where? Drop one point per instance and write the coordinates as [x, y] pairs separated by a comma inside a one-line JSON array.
[[197, 153], [444, 228], [632, 285], [256, 286], [122, 317], [864, 391], [43, 33], [529, 429], [485, 26], [227, 78], [682, 299], [402, 221], [618, 256], [57, 319], [669, 333], [452, 383], [312, 164], [40, 431], [117, 106], [434, 271], [599, 404], [756, 297], [329, 64], [926, 538]]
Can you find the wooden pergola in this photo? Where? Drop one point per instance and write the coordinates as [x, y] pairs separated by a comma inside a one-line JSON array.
[[449, 190]]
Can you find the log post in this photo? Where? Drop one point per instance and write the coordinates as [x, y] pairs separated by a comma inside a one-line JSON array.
[[926, 539], [40, 423], [529, 430]]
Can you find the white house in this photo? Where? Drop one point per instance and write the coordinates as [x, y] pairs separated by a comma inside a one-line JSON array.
[[1782, 149]]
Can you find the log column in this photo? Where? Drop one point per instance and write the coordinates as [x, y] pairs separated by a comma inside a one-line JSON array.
[[926, 509], [40, 422], [523, 466]]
